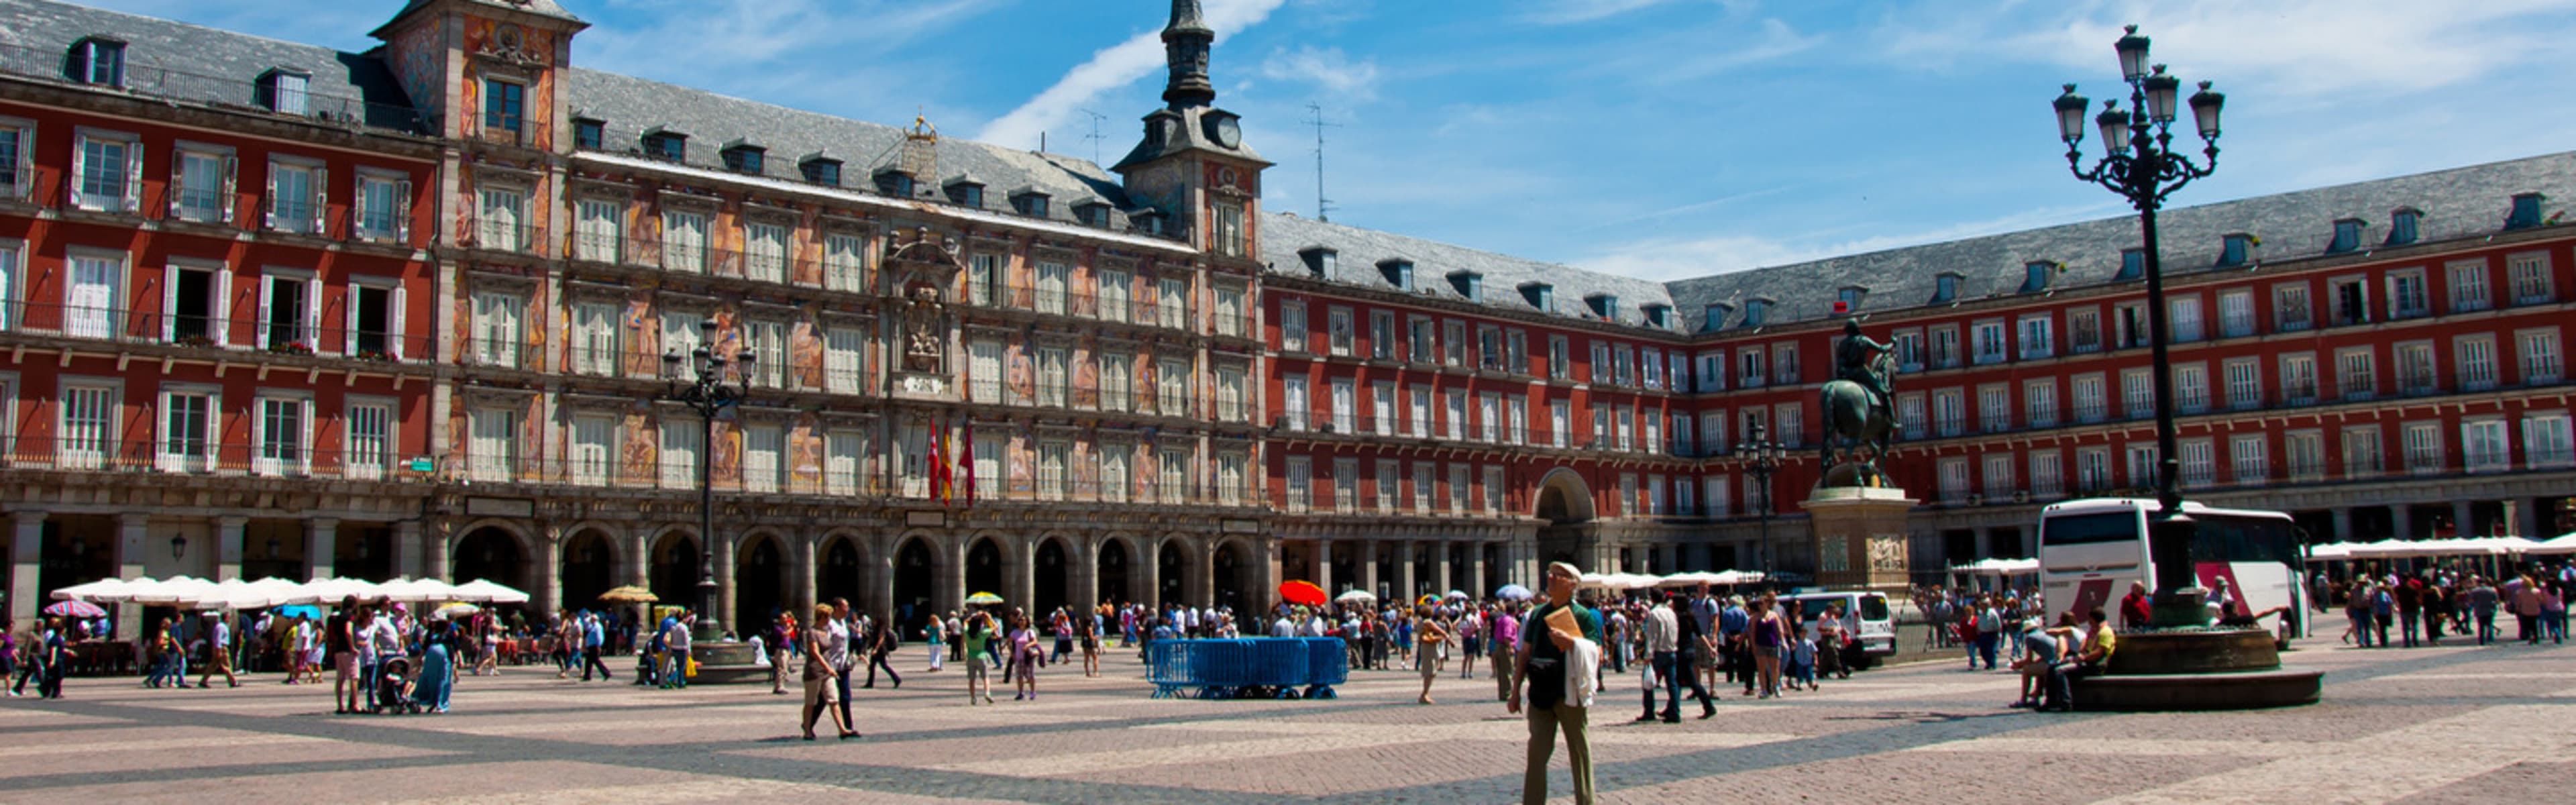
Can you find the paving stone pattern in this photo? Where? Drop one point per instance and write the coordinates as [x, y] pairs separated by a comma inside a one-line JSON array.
[[2449, 724]]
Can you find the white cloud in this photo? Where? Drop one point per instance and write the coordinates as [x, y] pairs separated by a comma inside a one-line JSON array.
[[1109, 68], [1673, 258], [1327, 68], [1561, 12]]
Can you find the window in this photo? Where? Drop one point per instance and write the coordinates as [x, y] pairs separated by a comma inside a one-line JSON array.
[[1945, 347], [2423, 447], [1453, 343], [2406, 298], [764, 252], [2415, 368], [93, 301], [1381, 334], [502, 225], [1419, 344], [1114, 478], [2249, 459], [188, 429], [2089, 399], [1229, 231], [2199, 463], [767, 341], [983, 274], [2039, 403], [1999, 476], [2138, 392], [984, 371], [2131, 319], [599, 230], [371, 441], [680, 439], [1055, 463], [1490, 352], [2037, 339], [1345, 403], [1118, 381], [1559, 367], [1458, 489], [201, 185], [2235, 313], [845, 352], [590, 134], [1784, 363], [1516, 352], [684, 241], [17, 156], [288, 308], [2290, 308], [1228, 314], [2477, 362], [2191, 388], [1053, 377], [1116, 296], [2484, 447], [1748, 368], [1909, 351], [1423, 486], [2084, 330], [109, 168], [1949, 412], [747, 159], [594, 338], [505, 109], [285, 91], [2299, 378], [1388, 490], [2469, 286], [1174, 465], [2351, 300], [1989, 341], [1494, 490], [1292, 325], [1054, 279], [1712, 372], [2244, 384], [2545, 441], [1909, 415], [2182, 316], [594, 450], [2361, 453], [2093, 470], [2530, 276], [98, 60], [1346, 485], [2354, 375], [1954, 480], [296, 201], [1172, 388], [496, 330], [284, 424], [1489, 415], [383, 208], [2307, 453], [845, 263], [2540, 361], [1994, 408], [1560, 421], [192, 298], [1454, 403], [1792, 425], [1292, 402], [666, 145]]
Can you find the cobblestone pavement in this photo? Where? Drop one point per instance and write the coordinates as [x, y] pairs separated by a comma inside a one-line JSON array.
[[2449, 724]]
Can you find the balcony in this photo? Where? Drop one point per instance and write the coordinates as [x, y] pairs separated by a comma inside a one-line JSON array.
[[230, 94], [2090, 412], [205, 459], [2417, 383], [214, 336]]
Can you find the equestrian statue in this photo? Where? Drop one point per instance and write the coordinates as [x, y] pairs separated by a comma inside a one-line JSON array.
[[1858, 420]]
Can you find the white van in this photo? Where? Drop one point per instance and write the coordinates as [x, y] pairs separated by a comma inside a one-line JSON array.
[[1865, 616]]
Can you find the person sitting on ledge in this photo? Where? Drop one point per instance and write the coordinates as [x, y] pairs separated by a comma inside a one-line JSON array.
[[2087, 662]]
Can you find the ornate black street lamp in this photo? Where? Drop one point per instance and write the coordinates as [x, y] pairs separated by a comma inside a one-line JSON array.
[[708, 395], [2140, 164], [1761, 459]]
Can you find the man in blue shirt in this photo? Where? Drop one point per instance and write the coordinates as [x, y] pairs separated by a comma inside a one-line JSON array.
[[593, 637], [1731, 624]]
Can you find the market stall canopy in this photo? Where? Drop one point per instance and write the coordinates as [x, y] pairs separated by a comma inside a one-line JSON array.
[[2563, 543], [489, 592], [108, 590], [1355, 597]]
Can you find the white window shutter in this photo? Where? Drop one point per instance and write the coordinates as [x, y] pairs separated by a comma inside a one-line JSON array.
[[80, 168], [269, 217], [134, 177], [312, 329], [357, 205], [219, 315], [395, 333], [321, 201], [402, 211], [178, 181], [266, 292], [229, 199], [349, 321], [169, 300]]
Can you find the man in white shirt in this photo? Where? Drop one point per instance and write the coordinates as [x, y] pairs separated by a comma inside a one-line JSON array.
[[219, 652]]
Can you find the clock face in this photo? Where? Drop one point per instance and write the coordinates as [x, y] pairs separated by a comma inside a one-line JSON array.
[[1226, 131]]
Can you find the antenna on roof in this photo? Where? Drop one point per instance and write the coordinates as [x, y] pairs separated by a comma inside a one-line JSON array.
[[1315, 118], [1094, 136]]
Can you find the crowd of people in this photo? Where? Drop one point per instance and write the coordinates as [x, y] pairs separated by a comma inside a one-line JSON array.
[[2426, 604]]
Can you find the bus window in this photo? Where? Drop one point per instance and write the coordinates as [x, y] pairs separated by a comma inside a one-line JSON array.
[[2084, 529]]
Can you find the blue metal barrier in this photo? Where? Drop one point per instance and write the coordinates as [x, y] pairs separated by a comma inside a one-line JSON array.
[[1266, 667]]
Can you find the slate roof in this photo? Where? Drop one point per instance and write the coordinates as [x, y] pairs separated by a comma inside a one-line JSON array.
[[1357, 253], [2453, 202], [628, 106], [207, 65]]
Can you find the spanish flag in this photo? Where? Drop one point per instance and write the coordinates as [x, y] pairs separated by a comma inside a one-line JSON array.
[[943, 483]]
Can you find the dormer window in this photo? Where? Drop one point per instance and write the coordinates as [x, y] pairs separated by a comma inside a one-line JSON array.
[[2133, 265], [1540, 295], [2526, 211], [1713, 316], [1469, 284], [2036, 274], [1603, 305], [964, 190], [666, 144], [1030, 203], [2401, 225], [285, 91], [1847, 300], [1092, 213], [820, 168], [1320, 261], [1153, 222], [1755, 311], [588, 134], [2347, 236], [1657, 316], [97, 60], [894, 182], [1945, 288], [2235, 249], [744, 156], [1399, 273]]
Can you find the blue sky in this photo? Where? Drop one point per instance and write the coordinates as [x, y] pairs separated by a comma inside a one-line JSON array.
[[1655, 138]]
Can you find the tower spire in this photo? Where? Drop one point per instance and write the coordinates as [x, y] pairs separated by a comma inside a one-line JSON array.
[[1185, 46]]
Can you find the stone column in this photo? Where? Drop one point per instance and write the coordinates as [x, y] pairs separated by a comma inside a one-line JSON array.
[[2464, 519], [26, 560], [1148, 571], [2342, 525], [725, 580], [1202, 589], [133, 537], [876, 582], [952, 585], [1022, 581], [228, 546], [800, 573], [1476, 586], [2532, 518], [1324, 566], [1083, 578], [1440, 567], [407, 549], [1368, 566], [2401, 521], [1405, 586], [321, 546], [635, 564]]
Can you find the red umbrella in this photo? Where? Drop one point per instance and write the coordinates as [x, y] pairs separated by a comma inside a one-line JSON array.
[[1303, 593]]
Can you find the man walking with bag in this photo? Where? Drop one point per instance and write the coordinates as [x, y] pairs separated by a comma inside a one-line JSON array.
[[1560, 659]]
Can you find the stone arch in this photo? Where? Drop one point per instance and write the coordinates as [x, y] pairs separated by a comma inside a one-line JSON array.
[[1233, 570], [1175, 565], [760, 560], [1115, 559], [1052, 561], [841, 566], [591, 554], [498, 550], [989, 564], [672, 557], [921, 571], [1563, 498]]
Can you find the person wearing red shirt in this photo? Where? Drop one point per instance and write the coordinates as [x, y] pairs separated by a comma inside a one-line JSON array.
[[2134, 610]]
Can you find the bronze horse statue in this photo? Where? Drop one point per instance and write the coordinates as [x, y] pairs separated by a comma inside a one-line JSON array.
[[1858, 427]]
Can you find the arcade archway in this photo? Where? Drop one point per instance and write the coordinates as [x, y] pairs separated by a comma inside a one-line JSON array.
[[759, 583], [673, 573], [589, 563], [492, 553]]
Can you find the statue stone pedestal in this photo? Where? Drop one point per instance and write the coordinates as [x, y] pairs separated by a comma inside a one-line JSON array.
[[1858, 535]]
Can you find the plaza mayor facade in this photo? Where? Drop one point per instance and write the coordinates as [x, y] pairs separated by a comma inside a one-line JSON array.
[[276, 310]]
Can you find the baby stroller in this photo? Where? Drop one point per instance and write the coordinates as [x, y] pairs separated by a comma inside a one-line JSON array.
[[394, 686]]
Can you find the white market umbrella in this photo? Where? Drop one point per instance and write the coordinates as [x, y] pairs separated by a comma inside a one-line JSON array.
[[1739, 577], [329, 591], [2563, 543], [1693, 578], [488, 591], [455, 609], [1355, 597], [2383, 549], [172, 591], [108, 590], [414, 591], [2331, 551]]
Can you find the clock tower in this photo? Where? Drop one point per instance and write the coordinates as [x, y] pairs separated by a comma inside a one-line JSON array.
[[1192, 165]]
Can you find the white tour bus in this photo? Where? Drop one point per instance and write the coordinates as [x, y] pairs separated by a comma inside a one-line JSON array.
[[2090, 550]]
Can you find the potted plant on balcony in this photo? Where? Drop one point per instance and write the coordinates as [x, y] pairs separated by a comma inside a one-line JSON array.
[[292, 348]]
